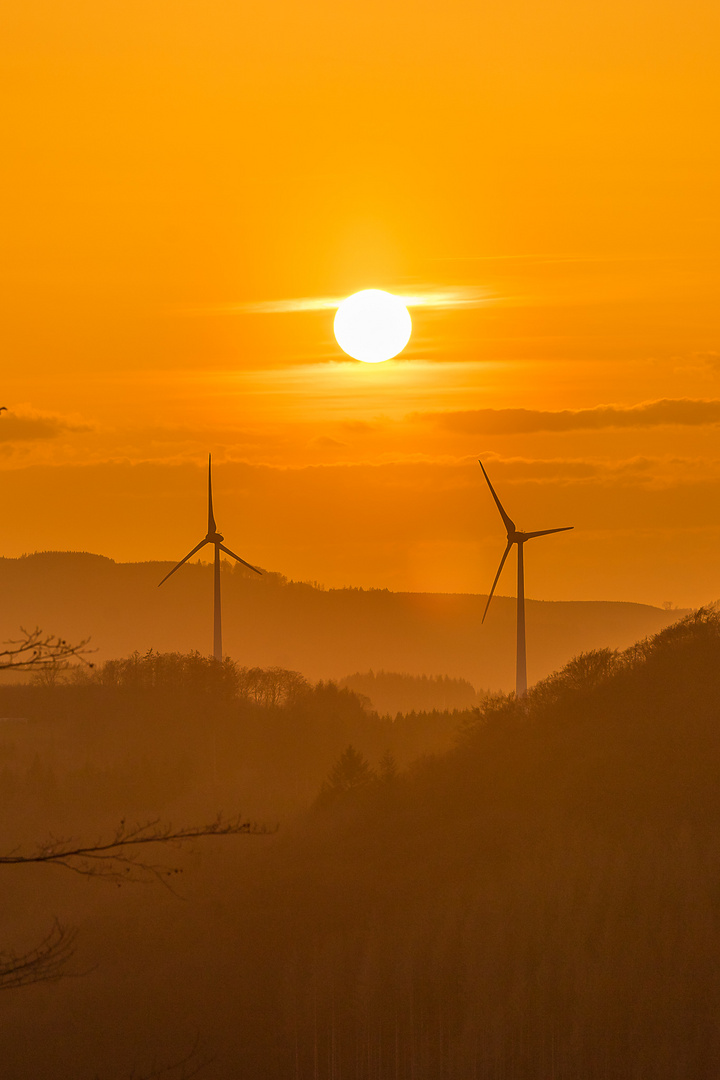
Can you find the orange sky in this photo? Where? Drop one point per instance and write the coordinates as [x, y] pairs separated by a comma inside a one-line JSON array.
[[181, 178]]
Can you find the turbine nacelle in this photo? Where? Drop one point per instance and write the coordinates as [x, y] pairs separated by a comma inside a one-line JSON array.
[[520, 537], [214, 538]]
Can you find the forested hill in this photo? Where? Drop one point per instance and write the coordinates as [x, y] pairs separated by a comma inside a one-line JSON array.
[[391, 693], [322, 633], [542, 901]]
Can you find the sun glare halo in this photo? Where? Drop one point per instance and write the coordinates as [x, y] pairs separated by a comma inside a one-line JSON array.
[[372, 326]]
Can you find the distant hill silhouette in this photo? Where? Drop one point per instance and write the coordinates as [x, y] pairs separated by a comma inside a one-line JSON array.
[[391, 693], [270, 621]]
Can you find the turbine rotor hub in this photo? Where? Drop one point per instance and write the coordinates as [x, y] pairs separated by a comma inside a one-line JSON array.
[[215, 538]]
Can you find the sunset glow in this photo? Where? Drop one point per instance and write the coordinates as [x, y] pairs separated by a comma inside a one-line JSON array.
[[541, 196]]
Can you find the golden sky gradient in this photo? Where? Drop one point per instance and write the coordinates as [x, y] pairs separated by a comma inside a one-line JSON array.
[[189, 187]]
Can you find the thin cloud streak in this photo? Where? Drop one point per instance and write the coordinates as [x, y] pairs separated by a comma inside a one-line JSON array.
[[680, 411], [449, 297]]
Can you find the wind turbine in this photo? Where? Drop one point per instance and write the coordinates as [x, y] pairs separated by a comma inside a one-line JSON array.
[[519, 538], [213, 537]]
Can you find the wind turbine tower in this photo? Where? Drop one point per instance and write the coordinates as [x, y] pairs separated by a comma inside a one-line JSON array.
[[213, 537], [519, 538]]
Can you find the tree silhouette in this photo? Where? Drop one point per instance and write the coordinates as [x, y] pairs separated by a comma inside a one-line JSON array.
[[388, 769], [351, 773]]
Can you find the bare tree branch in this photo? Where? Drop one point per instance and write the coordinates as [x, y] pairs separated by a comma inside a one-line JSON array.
[[36, 651], [46, 962], [118, 859]]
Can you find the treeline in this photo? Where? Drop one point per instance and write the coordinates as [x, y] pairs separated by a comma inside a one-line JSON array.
[[130, 735], [392, 693]]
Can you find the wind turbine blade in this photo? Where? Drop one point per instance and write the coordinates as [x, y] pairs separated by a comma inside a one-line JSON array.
[[546, 532], [188, 556], [212, 528], [234, 556], [509, 523], [502, 563]]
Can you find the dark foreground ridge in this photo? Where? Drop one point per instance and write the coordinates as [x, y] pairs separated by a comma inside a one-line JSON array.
[[541, 900]]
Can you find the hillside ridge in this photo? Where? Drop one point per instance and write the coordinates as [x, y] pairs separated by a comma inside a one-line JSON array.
[[323, 633]]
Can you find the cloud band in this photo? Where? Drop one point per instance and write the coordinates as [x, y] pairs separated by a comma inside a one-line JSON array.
[[682, 411]]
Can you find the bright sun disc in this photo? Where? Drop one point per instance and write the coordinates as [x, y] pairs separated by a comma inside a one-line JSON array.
[[372, 326]]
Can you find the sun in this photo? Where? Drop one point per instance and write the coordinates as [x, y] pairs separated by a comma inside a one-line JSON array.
[[372, 326]]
